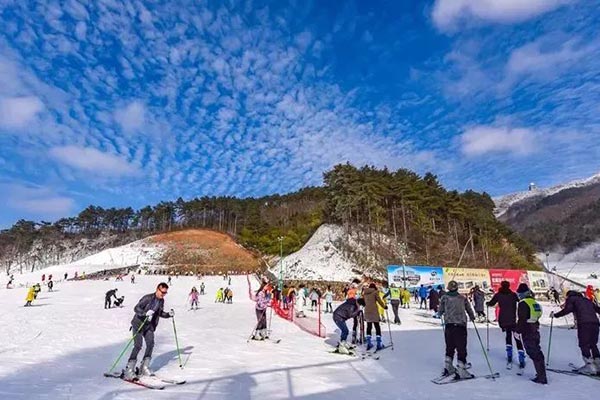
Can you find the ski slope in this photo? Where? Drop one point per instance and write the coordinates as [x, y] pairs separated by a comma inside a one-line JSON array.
[[59, 349]]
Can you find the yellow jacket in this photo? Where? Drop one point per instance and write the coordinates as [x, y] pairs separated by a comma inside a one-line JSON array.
[[405, 296], [30, 294], [379, 308]]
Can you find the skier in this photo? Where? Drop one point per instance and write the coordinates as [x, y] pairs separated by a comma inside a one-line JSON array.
[[202, 287], [43, 279], [405, 298], [193, 296], [454, 308], [119, 301], [329, 300], [555, 295], [219, 297], [132, 278], [107, 297], [478, 302], [314, 299], [434, 301], [50, 285], [423, 297], [262, 303], [394, 294], [66, 275], [229, 297], [30, 296], [382, 295], [372, 300], [507, 301], [300, 302], [350, 309], [169, 280], [587, 329], [36, 289], [145, 320], [529, 312]]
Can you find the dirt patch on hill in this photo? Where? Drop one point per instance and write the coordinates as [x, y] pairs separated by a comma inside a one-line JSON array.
[[205, 251]]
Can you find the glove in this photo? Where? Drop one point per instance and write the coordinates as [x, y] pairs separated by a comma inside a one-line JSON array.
[[149, 314], [551, 314], [171, 313]]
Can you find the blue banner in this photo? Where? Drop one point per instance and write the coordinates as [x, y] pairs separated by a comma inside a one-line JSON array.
[[415, 275]]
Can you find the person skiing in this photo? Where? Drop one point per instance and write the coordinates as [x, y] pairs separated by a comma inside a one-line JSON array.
[[169, 280], [529, 312], [394, 294], [66, 275], [262, 303], [405, 298], [229, 297], [314, 299], [350, 309], [372, 300], [30, 296], [202, 287], [132, 278], [478, 303], [585, 312], [193, 296], [454, 308], [219, 296], [108, 296], [434, 301], [300, 302], [50, 285], [329, 300], [36, 290], [423, 297], [147, 312], [507, 301]]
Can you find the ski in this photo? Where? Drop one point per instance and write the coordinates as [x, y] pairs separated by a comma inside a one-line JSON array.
[[572, 373], [138, 382], [451, 379], [171, 381]]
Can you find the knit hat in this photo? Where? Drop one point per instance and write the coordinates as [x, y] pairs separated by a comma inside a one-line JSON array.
[[523, 288], [505, 284], [452, 286]]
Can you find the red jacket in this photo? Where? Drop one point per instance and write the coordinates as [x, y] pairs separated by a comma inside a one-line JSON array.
[[589, 292]]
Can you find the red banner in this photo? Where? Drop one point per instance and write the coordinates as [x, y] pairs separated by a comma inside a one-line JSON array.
[[514, 276]]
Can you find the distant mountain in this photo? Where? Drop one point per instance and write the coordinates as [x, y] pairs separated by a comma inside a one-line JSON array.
[[561, 218]]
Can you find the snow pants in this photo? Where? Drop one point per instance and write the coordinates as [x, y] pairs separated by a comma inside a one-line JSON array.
[[343, 330], [261, 318], [395, 305], [423, 303], [456, 341], [587, 335], [194, 304], [145, 335], [370, 328], [531, 342], [509, 337], [329, 307], [107, 302]]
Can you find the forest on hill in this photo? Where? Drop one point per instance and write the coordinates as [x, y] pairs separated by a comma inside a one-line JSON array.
[[437, 226]]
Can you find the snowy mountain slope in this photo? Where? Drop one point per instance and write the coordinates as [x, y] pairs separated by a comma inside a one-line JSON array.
[[60, 348], [503, 203]]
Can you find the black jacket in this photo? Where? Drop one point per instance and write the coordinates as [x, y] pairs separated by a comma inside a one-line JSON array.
[[147, 303], [523, 314], [111, 293], [583, 309], [434, 299], [478, 300], [507, 300], [347, 310]]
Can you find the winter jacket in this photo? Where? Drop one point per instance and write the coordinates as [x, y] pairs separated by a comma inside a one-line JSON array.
[[347, 310], [507, 300], [478, 300], [147, 303], [423, 292], [589, 292], [262, 301], [434, 300], [314, 296], [583, 309], [194, 295], [111, 293], [405, 296], [30, 294], [372, 299], [454, 307], [329, 296]]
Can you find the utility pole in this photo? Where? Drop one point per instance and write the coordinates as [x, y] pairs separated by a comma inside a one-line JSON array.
[[280, 238], [403, 257]]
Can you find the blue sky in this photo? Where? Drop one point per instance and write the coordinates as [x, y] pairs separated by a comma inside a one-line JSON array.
[[129, 103]]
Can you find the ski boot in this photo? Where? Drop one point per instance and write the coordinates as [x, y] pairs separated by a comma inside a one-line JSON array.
[[521, 359], [449, 369], [540, 373], [343, 348], [380, 345], [264, 333], [461, 371], [129, 372], [589, 368], [145, 367], [509, 354], [369, 343]]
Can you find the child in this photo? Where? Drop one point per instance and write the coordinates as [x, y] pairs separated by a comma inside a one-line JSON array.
[[314, 299], [194, 298], [329, 300], [30, 296]]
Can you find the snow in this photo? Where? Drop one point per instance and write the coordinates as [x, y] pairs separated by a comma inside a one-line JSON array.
[[503, 203], [577, 265], [319, 259], [59, 349]]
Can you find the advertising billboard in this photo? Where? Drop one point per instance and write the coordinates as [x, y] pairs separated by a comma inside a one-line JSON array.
[[413, 276], [513, 276], [467, 278]]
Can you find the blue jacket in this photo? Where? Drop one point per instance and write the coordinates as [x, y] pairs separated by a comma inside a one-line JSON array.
[[423, 292]]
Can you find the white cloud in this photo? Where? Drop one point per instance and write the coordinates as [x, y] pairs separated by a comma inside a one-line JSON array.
[[88, 159], [131, 117], [19, 112], [484, 139], [38, 201], [449, 14]]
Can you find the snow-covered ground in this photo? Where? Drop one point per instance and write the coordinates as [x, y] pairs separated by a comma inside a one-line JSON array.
[[59, 349], [579, 265]]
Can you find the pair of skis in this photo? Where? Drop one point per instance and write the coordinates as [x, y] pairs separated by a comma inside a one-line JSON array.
[[149, 382], [572, 372], [444, 380]]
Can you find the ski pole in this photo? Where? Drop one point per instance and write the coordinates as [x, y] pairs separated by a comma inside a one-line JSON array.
[[487, 328], [176, 342], [387, 317], [487, 360], [127, 346], [264, 313], [550, 340]]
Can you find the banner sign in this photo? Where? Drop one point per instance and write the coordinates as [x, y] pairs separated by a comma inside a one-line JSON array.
[[513, 276], [467, 278], [415, 275], [539, 282]]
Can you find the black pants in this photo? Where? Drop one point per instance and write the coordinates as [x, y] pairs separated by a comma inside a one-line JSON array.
[[145, 335], [531, 342], [423, 303], [107, 302], [587, 335], [395, 305], [329, 307], [261, 318], [370, 328], [509, 337], [456, 341]]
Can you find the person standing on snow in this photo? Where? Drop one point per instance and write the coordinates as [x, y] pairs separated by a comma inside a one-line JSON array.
[[193, 296], [434, 301], [300, 301], [350, 309], [405, 298], [108, 296], [262, 303], [50, 285], [507, 300], [395, 299], [314, 300], [30, 296], [423, 297], [219, 296], [478, 303], [585, 312], [528, 314], [132, 278], [372, 300], [329, 300], [145, 320], [454, 308]]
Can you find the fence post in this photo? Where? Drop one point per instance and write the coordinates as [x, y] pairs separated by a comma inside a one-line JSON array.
[[319, 319]]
